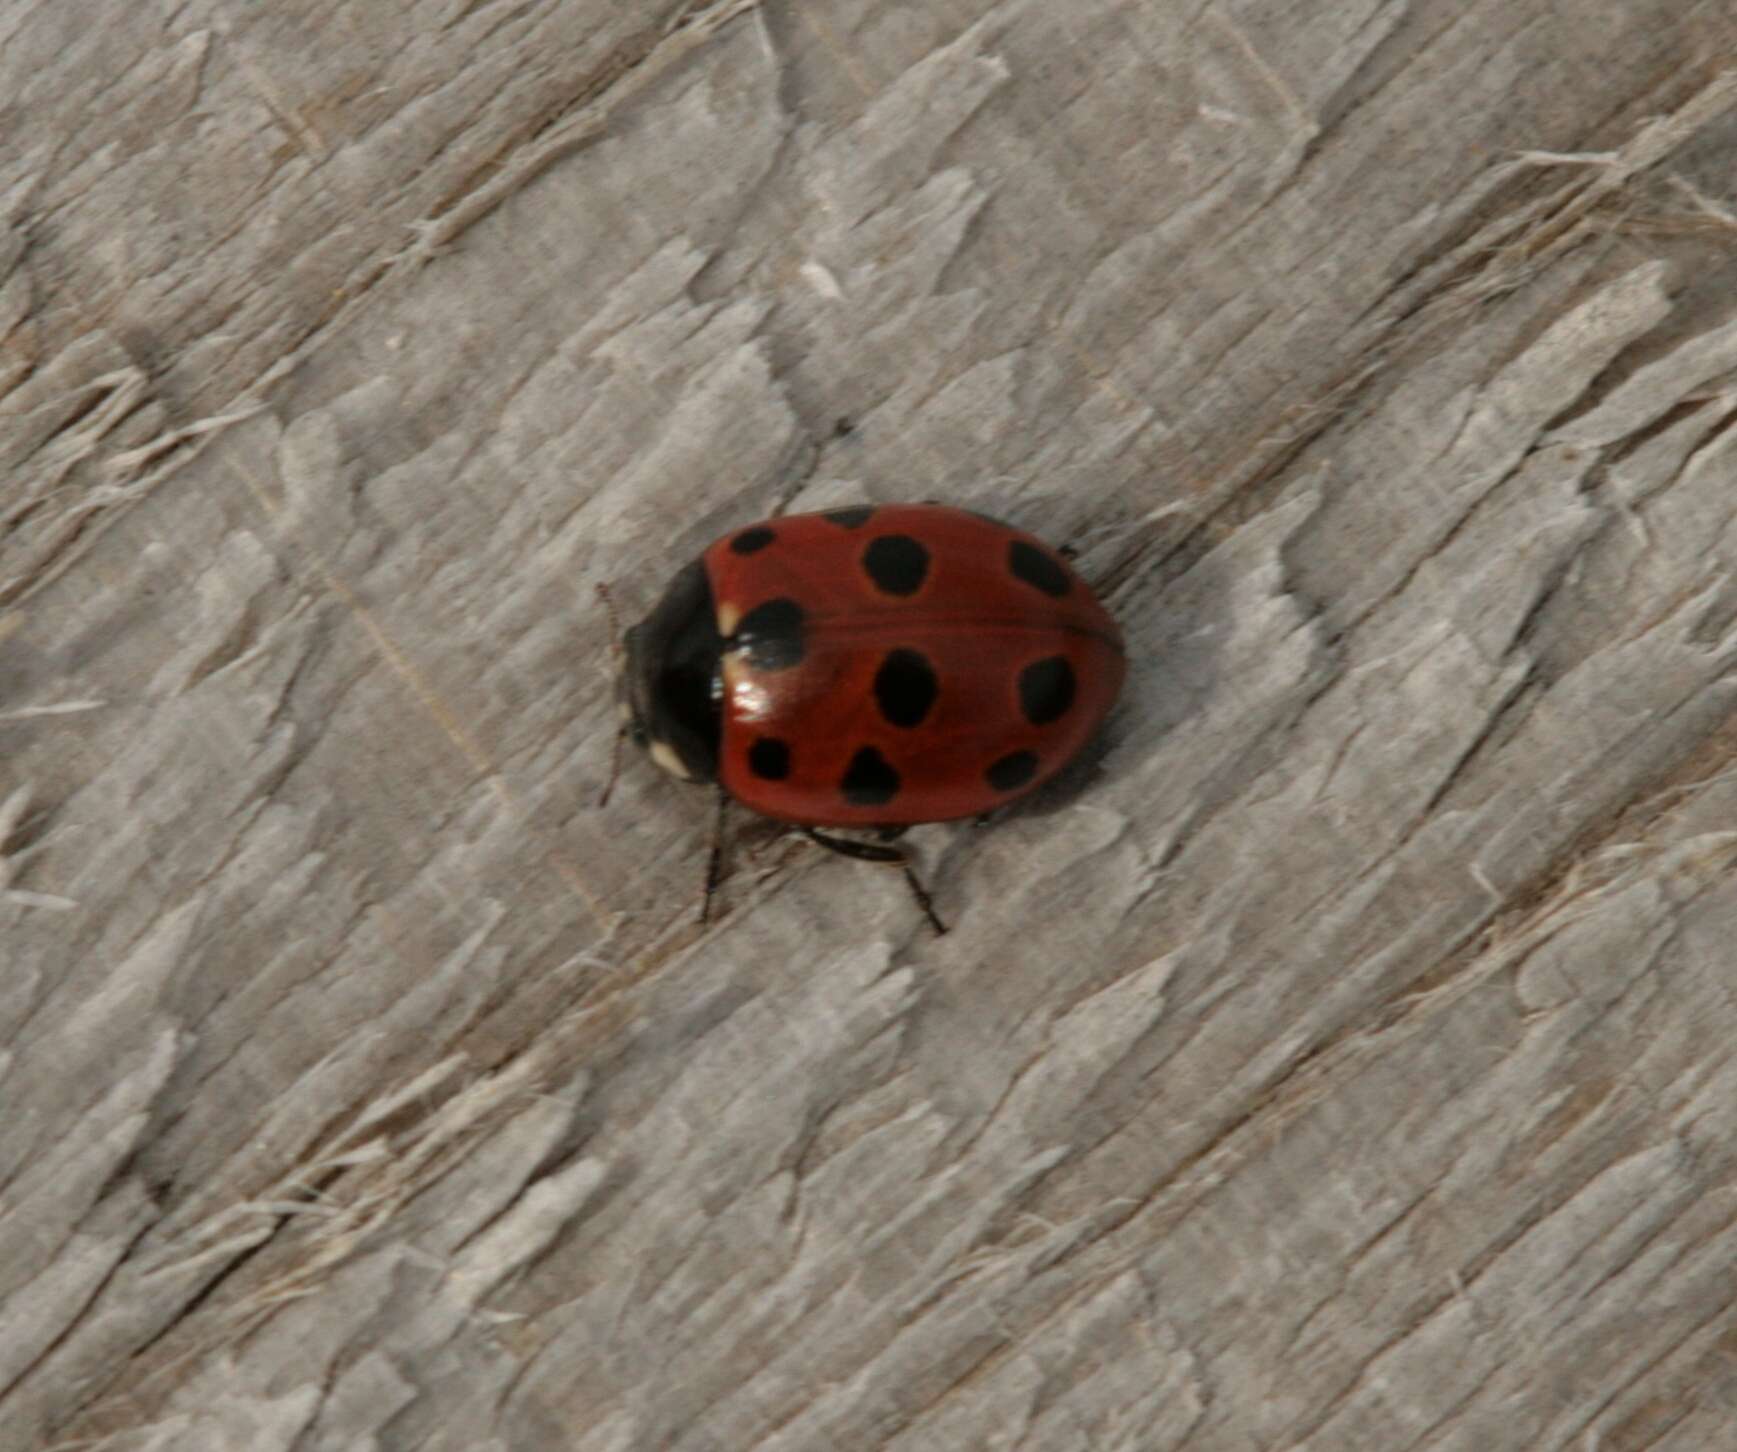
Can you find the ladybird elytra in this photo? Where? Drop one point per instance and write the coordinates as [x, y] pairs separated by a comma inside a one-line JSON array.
[[873, 666]]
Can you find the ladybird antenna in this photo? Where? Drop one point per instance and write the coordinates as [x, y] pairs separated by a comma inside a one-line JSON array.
[[616, 651]]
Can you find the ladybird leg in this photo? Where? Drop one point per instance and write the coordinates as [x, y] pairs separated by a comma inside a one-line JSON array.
[[714, 862], [921, 894], [614, 766], [618, 652], [859, 851], [892, 857]]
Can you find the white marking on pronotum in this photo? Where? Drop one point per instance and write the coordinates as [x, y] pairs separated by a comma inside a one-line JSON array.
[[729, 617], [665, 756]]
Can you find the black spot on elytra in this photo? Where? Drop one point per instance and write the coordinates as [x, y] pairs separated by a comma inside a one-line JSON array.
[[1037, 568], [749, 541], [853, 518], [769, 758], [897, 564], [1046, 690], [906, 687], [869, 780], [771, 634], [1012, 771]]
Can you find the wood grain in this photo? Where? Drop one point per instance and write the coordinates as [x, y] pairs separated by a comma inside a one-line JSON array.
[[1344, 1062]]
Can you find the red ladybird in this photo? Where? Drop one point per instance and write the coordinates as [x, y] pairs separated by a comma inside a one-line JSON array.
[[872, 667]]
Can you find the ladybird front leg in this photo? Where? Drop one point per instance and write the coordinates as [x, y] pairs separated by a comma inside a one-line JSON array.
[[714, 859]]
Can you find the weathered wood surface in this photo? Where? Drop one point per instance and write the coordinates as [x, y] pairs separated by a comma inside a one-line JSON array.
[[1348, 1065]]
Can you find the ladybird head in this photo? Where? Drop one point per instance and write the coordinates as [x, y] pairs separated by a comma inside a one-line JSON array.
[[670, 693]]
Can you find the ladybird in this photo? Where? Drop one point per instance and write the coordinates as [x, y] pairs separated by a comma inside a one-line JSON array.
[[872, 667]]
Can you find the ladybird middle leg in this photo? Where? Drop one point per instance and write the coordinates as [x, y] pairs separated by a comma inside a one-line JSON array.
[[888, 856]]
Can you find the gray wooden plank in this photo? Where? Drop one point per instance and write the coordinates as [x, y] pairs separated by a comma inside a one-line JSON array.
[[1341, 1062]]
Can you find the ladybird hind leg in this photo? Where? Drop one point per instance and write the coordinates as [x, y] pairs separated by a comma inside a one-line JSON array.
[[888, 856]]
